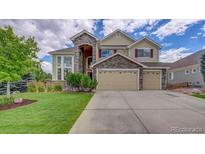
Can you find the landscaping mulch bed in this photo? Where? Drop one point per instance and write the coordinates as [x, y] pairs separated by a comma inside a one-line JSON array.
[[13, 105]]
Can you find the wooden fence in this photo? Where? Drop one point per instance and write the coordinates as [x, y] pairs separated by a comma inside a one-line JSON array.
[[21, 86], [49, 83]]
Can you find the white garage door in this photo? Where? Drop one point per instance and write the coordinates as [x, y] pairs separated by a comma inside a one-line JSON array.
[[121, 79]]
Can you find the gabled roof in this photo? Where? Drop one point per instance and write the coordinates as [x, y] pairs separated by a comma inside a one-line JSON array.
[[113, 55], [192, 59], [145, 38], [65, 50], [81, 33], [120, 31]]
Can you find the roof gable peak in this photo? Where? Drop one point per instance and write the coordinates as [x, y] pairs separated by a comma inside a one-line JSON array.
[[120, 31], [145, 38], [83, 32]]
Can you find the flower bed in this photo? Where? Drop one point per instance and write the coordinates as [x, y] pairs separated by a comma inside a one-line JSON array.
[[12, 105]]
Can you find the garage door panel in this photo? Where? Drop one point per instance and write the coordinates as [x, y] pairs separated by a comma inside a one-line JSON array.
[[117, 80], [151, 80]]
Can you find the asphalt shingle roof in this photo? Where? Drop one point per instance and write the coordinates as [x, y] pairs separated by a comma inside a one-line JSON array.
[[189, 60], [62, 50]]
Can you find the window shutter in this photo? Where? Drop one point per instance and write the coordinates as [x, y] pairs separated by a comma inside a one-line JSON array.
[[136, 53], [100, 53], [151, 53]]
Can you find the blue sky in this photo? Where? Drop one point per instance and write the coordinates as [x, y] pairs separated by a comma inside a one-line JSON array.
[[179, 38]]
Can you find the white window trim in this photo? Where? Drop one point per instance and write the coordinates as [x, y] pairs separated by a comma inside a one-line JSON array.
[[172, 75], [62, 66], [186, 71]]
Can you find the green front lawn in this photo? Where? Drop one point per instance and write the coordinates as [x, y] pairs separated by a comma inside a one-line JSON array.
[[199, 95], [53, 113]]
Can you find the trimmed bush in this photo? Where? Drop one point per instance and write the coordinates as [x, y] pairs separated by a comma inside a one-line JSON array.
[[74, 79], [49, 88], [31, 88], [79, 81], [93, 84], [85, 81], [58, 88], [41, 89]]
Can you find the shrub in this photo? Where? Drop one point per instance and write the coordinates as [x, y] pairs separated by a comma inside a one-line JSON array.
[[74, 79], [31, 88], [41, 89], [6, 100], [49, 88], [93, 84], [58, 88], [85, 81]]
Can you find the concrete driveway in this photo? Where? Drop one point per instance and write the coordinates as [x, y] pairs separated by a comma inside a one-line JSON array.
[[141, 112]]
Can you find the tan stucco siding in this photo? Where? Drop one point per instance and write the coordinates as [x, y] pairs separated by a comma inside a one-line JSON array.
[[151, 80], [116, 39], [145, 44], [117, 80]]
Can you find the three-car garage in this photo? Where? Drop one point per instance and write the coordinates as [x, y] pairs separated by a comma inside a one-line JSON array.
[[128, 79]]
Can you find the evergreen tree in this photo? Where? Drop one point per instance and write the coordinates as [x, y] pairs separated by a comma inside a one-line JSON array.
[[203, 66]]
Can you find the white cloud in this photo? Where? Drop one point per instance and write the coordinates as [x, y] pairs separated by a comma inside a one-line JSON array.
[[50, 34], [143, 33], [203, 29], [177, 27], [194, 37], [47, 67], [199, 33], [173, 55], [166, 44], [127, 25], [203, 47]]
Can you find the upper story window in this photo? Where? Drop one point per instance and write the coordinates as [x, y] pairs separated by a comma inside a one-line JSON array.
[[144, 52], [67, 61], [59, 61], [107, 52]]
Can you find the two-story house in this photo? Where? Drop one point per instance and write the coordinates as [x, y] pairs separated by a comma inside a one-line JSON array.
[[117, 61]]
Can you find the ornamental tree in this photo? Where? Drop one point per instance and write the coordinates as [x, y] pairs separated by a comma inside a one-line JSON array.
[[18, 55], [203, 66]]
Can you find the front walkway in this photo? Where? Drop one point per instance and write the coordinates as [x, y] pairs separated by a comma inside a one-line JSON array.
[[142, 112]]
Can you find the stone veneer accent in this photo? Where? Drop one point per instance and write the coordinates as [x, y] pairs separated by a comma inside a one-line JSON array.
[[164, 79], [82, 40], [120, 62]]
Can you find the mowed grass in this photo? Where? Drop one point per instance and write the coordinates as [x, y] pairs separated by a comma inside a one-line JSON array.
[[53, 113], [199, 95]]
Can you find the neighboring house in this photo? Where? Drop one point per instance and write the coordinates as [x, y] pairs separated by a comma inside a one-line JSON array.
[[187, 70], [118, 62]]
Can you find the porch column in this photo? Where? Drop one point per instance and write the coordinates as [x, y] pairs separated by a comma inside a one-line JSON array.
[[77, 59]]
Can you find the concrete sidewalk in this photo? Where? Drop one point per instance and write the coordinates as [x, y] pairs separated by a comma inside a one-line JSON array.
[[141, 112]]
